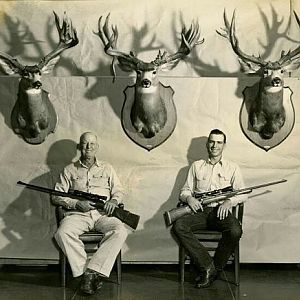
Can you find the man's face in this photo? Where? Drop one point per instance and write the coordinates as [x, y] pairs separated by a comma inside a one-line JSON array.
[[215, 145], [88, 146]]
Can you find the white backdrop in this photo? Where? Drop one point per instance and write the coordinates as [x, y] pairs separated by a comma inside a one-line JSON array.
[[208, 94]]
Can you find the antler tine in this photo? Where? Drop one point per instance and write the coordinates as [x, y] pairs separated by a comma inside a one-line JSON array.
[[225, 30], [109, 40], [192, 33], [189, 39], [291, 55], [67, 38], [235, 44], [106, 30], [197, 35], [99, 33]]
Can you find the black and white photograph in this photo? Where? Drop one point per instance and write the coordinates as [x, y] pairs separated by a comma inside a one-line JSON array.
[[150, 149]]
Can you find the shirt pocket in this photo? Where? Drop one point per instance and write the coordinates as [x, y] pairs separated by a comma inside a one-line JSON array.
[[202, 181], [224, 180], [78, 182], [100, 180]]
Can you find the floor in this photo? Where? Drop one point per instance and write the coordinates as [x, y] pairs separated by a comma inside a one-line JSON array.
[[149, 282]]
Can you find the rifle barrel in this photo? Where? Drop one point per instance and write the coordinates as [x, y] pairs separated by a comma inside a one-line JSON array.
[[71, 194], [38, 188], [263, 185]]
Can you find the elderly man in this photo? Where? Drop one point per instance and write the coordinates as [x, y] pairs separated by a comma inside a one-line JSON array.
[[90, 175], [207, 175]]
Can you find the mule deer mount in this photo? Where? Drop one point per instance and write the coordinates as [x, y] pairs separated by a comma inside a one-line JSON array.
[[267, 115], [148, 113], [33, 115]]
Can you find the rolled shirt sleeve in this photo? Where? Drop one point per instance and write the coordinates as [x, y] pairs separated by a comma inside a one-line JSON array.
[[63, 185], [189, 185]]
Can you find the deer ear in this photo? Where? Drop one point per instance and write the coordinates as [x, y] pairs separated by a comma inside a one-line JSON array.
[[295, 64], [169, 65], [8, 67], [249, 67], [50, 65]]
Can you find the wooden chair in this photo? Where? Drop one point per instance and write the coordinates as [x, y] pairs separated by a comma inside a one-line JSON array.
[[91, 242], [210, 240]]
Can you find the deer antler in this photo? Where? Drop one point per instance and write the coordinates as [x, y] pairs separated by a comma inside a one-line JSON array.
[[109, 40], [290, 55], [229, 33], [189, 39], [67, 39]]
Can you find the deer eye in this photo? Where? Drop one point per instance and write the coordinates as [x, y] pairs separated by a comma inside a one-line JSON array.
[[25, 74], [154, 72], [138, 72], [266, 72], [281, 71]]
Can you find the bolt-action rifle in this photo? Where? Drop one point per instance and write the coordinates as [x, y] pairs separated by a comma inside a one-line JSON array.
[[97, 201], [210, 197]]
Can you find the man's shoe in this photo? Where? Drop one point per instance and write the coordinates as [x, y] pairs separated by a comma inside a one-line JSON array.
[[208, 277], [97, 283], [87, 284]]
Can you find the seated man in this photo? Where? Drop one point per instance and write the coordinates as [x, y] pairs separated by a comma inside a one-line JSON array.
[[203, 176], [90, 175]]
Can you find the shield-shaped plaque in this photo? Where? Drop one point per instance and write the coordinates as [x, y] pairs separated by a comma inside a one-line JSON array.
[[250, 94], [23, 131], [166, 93]]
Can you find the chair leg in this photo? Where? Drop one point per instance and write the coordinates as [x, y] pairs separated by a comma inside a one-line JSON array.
[[237, 265], [119, 268], [63, 263], [181, 263]]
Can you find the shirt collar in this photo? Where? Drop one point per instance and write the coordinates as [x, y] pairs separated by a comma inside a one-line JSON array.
[[221, 161], [97, 163]]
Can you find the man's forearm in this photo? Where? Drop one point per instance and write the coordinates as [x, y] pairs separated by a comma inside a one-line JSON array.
[[184, 195], [67, 203]]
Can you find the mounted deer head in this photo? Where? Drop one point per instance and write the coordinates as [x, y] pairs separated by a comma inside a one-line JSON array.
[[148, 114], [33, 115], [267, 114]]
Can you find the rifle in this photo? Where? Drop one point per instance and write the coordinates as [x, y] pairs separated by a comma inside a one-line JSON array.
[[210, 197], [125, 216]]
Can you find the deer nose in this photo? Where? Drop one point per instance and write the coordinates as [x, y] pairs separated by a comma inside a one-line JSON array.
[[37, 84], [276, 81], [146, 83]]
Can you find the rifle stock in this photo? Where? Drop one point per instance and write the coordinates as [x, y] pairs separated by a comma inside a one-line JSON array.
[[210, 197], [125, 216]]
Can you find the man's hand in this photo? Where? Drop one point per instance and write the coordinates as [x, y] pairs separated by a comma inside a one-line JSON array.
[[110, 206], [194, 204], [84, 205], [224, 209]]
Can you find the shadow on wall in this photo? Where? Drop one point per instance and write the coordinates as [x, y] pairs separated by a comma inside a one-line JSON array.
[[30, 219], [151, 235]]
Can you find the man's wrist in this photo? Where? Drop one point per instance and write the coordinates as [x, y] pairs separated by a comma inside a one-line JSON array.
[[188, 199]]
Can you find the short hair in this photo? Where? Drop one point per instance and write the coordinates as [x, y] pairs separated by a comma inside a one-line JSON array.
[[218, 131], [86, 133]]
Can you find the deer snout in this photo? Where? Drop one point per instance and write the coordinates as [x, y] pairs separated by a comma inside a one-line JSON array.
[[37, 84], [276, 81], [146, 83]]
